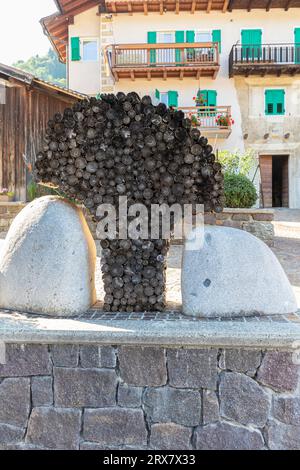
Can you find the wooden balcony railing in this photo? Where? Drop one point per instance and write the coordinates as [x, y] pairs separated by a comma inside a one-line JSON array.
[[267, 58], [163, 60], [209, 117]]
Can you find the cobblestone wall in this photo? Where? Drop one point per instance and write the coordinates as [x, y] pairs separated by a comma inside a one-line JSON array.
[[129, 397]]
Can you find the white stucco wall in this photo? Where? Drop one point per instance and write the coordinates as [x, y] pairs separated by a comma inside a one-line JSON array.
[[85, 76]]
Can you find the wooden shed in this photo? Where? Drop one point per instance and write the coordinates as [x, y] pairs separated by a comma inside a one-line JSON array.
[[26, 104]]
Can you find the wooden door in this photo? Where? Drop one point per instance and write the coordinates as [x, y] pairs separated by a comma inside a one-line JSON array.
[[265, 163]]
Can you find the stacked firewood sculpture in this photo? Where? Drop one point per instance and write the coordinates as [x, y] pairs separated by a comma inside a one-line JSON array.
[[123, 145]]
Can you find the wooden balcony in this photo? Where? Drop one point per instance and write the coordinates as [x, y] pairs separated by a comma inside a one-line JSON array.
[[274, 59], [212, 121], [163, 60]]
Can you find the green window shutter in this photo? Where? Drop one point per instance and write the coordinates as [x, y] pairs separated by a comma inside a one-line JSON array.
[[274, 102], [179, 37], [216, 37], [75, 48], [211, 98], [251, 43], [297, 45], [190, 36], [157, 94], [173, 98], [152, 40]]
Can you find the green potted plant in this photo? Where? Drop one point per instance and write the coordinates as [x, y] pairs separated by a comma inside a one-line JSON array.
[[194, 121], [6, 195]]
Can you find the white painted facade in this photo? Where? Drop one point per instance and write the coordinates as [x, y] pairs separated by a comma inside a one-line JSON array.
[[244, 95]]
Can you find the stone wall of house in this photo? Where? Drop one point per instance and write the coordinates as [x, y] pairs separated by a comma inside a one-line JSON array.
[[132, 397], [256, 221]]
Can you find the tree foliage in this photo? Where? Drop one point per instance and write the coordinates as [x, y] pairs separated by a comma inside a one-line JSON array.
[[236, 162], [46, 67]]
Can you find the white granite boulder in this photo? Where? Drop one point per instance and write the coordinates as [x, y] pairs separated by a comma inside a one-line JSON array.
[[47, 262], [233, 274]]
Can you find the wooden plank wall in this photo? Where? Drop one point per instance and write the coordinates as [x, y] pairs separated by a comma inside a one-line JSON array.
[[23, 119]]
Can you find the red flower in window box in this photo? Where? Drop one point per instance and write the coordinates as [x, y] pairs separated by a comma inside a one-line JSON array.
[[224, 120]]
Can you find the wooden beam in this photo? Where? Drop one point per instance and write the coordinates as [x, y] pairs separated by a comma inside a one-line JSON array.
[[161, 7], [130, 8], [268, 5], [215, 74], [165, 75], [198, 74], [209, 4], [181, 75], [287, 5], [249, 5], [225, 6], [145, 7], [132, 76], [148, 75], [193, 7], [114, 9]]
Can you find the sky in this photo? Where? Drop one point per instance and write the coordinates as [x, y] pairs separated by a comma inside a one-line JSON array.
[[21, 35]]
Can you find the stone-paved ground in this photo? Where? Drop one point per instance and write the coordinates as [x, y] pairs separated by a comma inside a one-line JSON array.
[[90, 397], [286, 248], [287, 244]]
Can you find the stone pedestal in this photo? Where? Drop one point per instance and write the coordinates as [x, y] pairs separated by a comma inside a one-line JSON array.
[[47, 261], [136, 384], [233, 273]]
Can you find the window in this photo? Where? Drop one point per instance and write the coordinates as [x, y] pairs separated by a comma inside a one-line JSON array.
[[207, 97], [274, 102], [166, 37], [90, 50], [251, 44], [169, 98], [164, 98], [203, 36]]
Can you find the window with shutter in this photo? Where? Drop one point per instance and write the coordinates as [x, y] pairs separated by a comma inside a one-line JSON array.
[[216, 37], [152, 40], [75, 48], [274, 102], [297, 45], [208, 97], [173, 98], [179, 37], [190, 53], [251, 43]]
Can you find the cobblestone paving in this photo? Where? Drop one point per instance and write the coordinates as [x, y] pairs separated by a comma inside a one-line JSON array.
[[287, 244]]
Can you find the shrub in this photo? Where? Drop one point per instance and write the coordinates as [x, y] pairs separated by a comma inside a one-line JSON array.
[[239, 191]]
